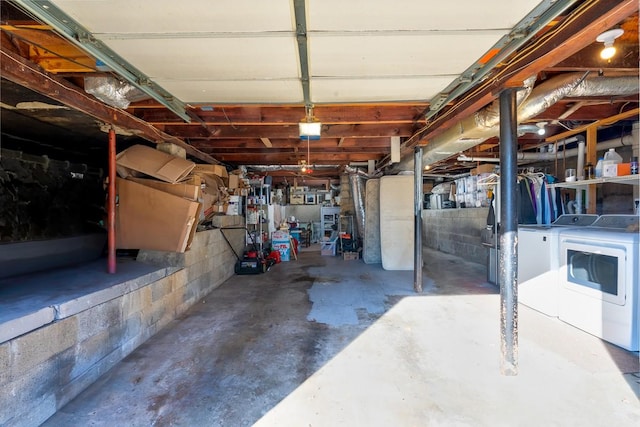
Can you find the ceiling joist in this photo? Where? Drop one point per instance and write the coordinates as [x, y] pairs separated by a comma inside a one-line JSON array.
[[24, 73]]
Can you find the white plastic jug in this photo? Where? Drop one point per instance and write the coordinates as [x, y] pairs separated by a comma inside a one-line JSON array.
[[599, 168], [612, 157]]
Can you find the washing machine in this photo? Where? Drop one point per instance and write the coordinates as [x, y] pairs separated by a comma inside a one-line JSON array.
[[599, 279], [539, 261]]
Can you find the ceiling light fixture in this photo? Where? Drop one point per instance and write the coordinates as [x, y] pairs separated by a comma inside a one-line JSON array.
[[304, 166], [608, 38], [538, 128], [309, 127]]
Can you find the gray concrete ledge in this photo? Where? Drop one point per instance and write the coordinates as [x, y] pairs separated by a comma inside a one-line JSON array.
[[31, 301]]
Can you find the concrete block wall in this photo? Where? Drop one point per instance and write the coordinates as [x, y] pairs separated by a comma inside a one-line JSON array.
[[209, 261], [43, 370], [456, 232], [304, 213]]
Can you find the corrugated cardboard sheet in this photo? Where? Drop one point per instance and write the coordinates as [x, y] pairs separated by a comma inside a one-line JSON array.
[[141, 160], [147, 218]]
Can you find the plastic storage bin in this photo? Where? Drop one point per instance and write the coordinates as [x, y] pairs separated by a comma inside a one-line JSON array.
[[328, 248]]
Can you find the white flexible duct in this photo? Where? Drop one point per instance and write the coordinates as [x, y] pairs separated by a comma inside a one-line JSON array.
[[485, 124], [357, 179]]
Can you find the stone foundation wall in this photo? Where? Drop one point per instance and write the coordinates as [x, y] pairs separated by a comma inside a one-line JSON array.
[[43, 370], [43, 198]]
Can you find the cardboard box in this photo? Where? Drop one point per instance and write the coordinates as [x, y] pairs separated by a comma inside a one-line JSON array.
[[296, 199], [280, 235], [192, 180], [328, 248], [234, 181], [188, 191], [488, 168], [211, 184], [219, 170], [624, 169], [281, 242], [140, 160], [609, 170], [147, 218], [350, 256]]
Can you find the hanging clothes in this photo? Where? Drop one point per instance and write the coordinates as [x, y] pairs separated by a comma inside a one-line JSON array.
[[526, 211]]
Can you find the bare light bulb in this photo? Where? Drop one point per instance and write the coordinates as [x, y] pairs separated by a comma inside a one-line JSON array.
[[608, 52], [608, 37]]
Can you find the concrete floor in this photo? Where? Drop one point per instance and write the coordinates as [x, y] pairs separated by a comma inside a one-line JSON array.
[[325, 342]]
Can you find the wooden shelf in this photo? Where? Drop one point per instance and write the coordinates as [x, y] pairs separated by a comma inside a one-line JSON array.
[[626, 179]]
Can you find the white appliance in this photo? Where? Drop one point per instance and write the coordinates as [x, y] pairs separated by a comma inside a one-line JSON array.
[[397, 222], [539, 261], [599, 279]]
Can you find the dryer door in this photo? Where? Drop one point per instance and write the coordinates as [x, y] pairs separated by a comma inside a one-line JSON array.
[[596, 269]]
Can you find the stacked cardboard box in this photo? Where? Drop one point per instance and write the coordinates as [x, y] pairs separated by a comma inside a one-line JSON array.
[[156, 214], [152, 213]]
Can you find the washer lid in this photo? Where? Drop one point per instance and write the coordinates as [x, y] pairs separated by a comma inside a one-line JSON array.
[[576, 220], [625, 222]]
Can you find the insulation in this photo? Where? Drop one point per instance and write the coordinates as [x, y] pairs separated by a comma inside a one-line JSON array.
[[357, 192], [485, 124], [112, 91], [371, 239]]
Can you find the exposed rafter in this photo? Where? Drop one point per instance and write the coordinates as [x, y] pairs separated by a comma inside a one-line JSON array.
[[22, 72]]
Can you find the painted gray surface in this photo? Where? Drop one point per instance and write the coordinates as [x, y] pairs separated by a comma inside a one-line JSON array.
[[456, 232], [99, 320], [12, 326], [66, 291], [371, 243], [339, 299], [38, 255], [247, 354]]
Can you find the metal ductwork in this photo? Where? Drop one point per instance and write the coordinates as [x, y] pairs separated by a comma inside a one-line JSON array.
[[485, 124], [275, 168], [357, 179], [528, 157]]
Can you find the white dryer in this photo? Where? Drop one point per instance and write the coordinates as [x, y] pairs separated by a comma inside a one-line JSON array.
[[539, 261], [599, 279]]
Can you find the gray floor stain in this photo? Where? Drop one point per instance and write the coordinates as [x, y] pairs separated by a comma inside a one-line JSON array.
[[340, 301]]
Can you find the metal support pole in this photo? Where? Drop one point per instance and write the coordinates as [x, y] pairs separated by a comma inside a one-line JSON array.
[[417, 200], [508, 233], [111, 205]]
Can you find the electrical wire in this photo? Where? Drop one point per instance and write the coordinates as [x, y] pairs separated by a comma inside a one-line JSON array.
[[228, 120]]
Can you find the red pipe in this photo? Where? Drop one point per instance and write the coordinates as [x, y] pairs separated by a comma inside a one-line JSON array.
[[111, 205]]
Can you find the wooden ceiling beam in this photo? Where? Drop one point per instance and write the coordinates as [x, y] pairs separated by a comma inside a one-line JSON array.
[[323, 143], [292, 158], [266, 142], [281, 132], [25, 73], [588, 59], [269, 151], [586, 112], [549, 51], [283, 115]]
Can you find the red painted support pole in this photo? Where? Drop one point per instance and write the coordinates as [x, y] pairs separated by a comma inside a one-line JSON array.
[[111, 205]]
